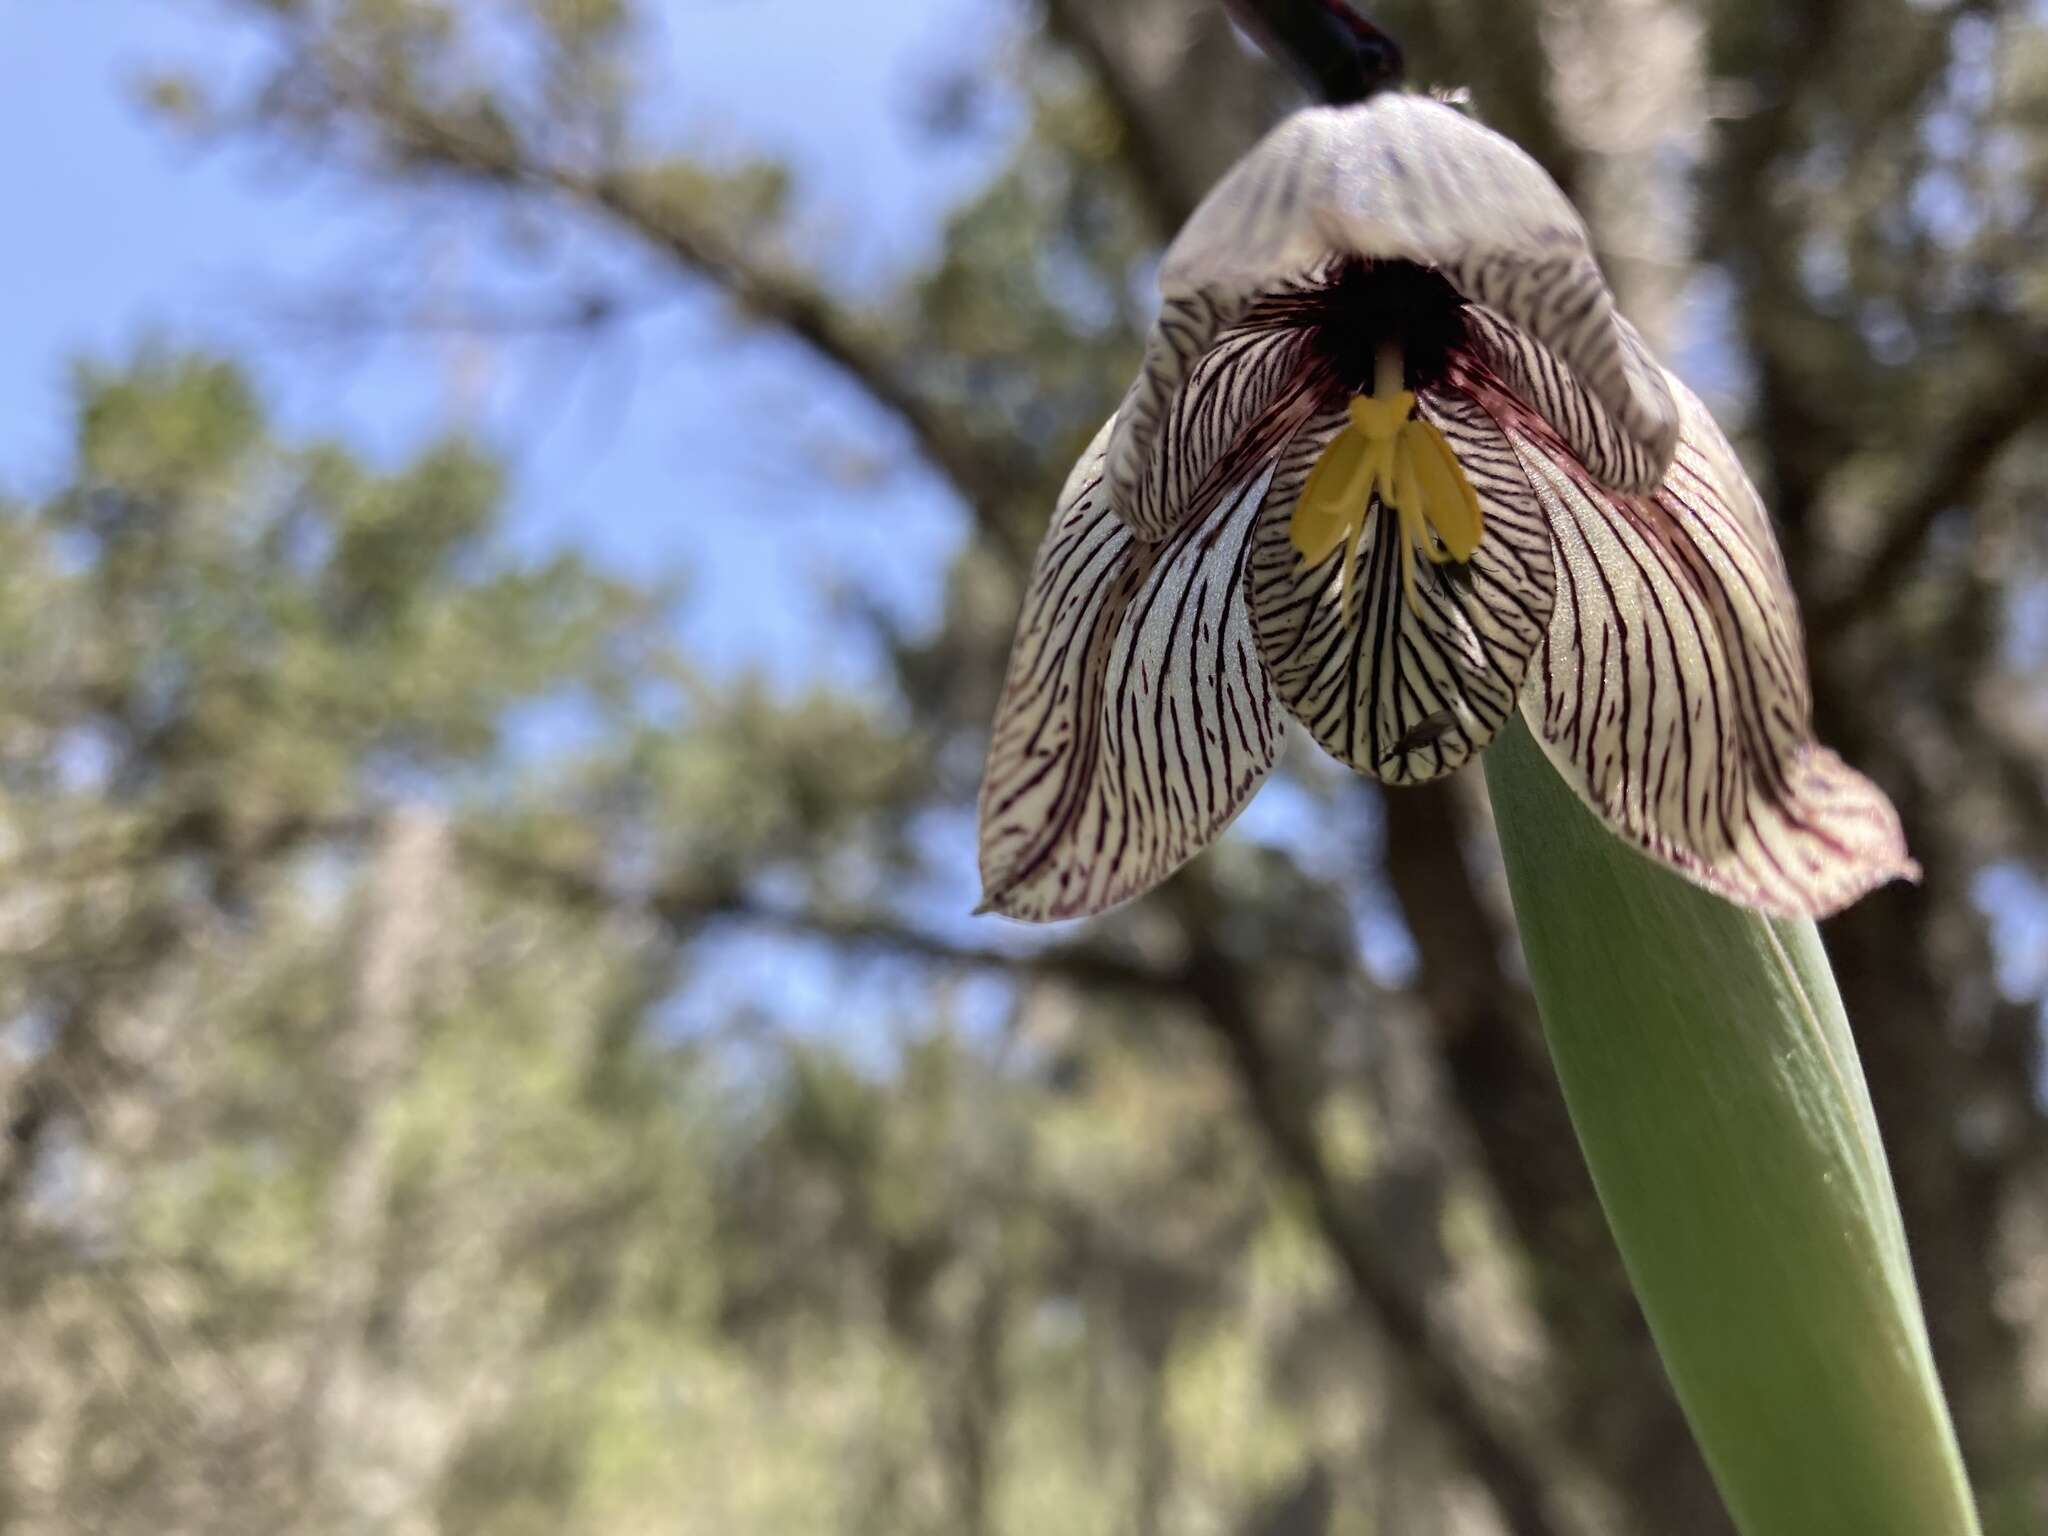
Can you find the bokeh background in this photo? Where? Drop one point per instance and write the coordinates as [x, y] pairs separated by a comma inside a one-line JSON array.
[[511, 513]]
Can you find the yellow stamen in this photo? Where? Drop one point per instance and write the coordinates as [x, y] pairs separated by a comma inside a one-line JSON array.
[[1387, 452], [1446, 493]]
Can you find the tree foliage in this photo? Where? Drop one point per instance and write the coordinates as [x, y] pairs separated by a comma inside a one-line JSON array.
[[473, 1064]]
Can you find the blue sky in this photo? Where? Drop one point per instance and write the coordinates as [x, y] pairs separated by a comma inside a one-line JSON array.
[[664, 447]]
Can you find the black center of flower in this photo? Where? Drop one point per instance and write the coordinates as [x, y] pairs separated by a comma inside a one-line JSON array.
[[1371, 303]]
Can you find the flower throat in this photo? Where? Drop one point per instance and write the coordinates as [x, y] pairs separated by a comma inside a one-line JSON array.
[[1389, 334]]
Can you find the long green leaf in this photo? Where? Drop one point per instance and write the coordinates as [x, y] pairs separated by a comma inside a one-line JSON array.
[[1713, 1080]]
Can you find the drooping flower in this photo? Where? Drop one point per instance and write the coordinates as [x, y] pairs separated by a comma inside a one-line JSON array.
[[1393, 464]]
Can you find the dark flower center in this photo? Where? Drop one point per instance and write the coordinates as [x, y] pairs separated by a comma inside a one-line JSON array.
[[1368, 304]]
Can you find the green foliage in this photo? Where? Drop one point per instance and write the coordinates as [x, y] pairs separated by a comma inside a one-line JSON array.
[[605, 1260]]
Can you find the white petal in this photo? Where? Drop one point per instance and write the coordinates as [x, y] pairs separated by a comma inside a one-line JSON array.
[[1405, 694], [1136, 720], [1672, 692], [1245, 397], [1540, 381], [1396, 177]]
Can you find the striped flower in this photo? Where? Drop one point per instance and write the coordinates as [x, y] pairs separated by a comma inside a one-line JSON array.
[[1392, 465]]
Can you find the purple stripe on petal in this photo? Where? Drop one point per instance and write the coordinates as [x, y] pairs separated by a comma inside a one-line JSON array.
[[1404, 693], [1671, 690], [1136, 720]]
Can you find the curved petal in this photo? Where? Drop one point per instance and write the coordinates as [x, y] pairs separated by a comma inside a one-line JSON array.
[[1672, 693], [1395, 177], [1539, 381], [1404, 693], [1136, 720], [1243, 399]]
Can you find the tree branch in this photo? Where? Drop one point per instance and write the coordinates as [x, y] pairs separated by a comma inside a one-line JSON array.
[[479, 147], [1953, 468], [1511, 1475], [684, 907], [398, 925], [1160, 175]]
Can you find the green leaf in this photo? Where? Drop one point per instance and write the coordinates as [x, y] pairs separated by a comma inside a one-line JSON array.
[[1713, 1081]]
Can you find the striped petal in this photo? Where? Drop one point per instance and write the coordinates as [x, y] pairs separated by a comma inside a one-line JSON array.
[[1395, 177], [1540, 381], [1672, 693], [1241, 401], [1136, 720], [1405, 693]]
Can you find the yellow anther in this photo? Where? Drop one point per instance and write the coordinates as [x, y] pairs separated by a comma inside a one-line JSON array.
[[1341, 481], [1446, 495], [1381, 418], [1387, 452]]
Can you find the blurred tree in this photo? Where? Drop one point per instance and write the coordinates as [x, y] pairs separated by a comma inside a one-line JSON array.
[[389, 1147]]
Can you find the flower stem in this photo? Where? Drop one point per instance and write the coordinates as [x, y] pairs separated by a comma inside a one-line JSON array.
[[1338, 54], [1714, 1085]]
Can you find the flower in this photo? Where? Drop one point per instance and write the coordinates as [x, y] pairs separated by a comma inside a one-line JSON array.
[[1392, 465]]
